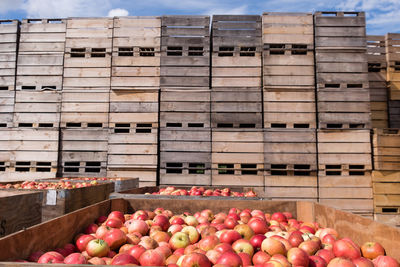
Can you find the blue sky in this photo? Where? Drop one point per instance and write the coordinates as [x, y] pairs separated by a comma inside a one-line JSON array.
[[382, 15]]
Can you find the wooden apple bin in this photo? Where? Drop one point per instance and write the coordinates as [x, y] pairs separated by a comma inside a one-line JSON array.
[[59, 231]]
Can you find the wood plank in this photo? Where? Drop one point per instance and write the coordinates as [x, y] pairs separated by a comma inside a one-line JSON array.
[[291, 192], [346, 193]]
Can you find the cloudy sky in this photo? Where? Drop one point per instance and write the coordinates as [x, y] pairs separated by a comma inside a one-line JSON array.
[[382, 15]]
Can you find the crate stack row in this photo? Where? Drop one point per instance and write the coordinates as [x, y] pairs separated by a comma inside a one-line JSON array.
[[344, 153], [386, 176], [236, 101], [134, 95], [289, 106], [185, 135], [85, 97], [393, 78], [376, 56], [9, 30]]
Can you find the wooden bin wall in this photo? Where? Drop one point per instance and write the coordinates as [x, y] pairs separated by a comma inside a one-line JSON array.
[[386, 197], [344, 177], [63, 229], [386, 143], [185, 52], [83, 152], [377, 72], [290, 163], [19, 210], [41, 54], [237, 157], [133, 140], [393, 64], [9, 30], [394, 113], [32, 153], [136, 53]]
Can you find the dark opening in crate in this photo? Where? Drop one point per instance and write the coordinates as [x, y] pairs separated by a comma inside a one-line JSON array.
[[78, 52], [249, 169], [196, 51], [226, 51], [174, 51], [93, 166], [195, 125], [98, 52], [125, 51], [277, 49], [146, 51], [299, 49], [248, 51], [197, 168], [226, 168], [174, 167], [28, 87], [374, 67]]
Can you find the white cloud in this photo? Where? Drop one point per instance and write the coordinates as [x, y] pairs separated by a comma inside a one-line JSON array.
[[118, 12], [66, 8]]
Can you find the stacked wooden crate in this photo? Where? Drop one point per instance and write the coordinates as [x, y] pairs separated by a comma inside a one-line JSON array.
[[386, 175], [344, 158], [33, 153], [376, 56], [289, 106], [341, 70], [185, 133], [236, 101], [85, 97], [135, 83], [393, 77], [9, 30]]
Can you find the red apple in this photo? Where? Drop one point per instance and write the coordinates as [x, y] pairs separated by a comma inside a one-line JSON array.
[[101, 219], [161, 236], [165, 251], [385, 261], [162, 221], [317, 261], [123, 259], [363, 262], [34, 257], [82, 242], [151, 258], [298, 257], [148, 243], [213, 255], [371, 250], [196, 260], [114, 223], [345, 248], [75, 258], [260, 257], [278, 216], [208, 230], [177, 220], [117, 215], [246, 259], [230, 223], [138, 226], [258, 226], [136, 251], [96, 261], [173, 259], [296, 238], [51, 257], [229, 236], [91, 229], [97, 248], [281, 259], [230, 259], [328, 239], [340, 262], [102, 231], [256, 240], [310, 246], [273, 246], [115, 238], [326, 254], [208, 243]]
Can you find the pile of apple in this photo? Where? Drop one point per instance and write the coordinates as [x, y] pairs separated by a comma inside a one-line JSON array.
[[201, 191], [90, 179], [47, 185], [237, 238]]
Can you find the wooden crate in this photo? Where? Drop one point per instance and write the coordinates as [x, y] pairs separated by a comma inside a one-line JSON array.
[[359, 229], [343, 108], [41, 54], [132, 146], [394, 113], [237, 157], [185, 155], [120, 183], [289, 108], [129, 101], [8, 54], [81, 109], [386, 149], [57, 202], [288, 53], [88, 51], [386, 197], [379, 115], [238, 107], [338, 148], [393, 64], [29, 153], [136, 53], [339, 30], [185, 52], [19, 210], [346, 188]]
